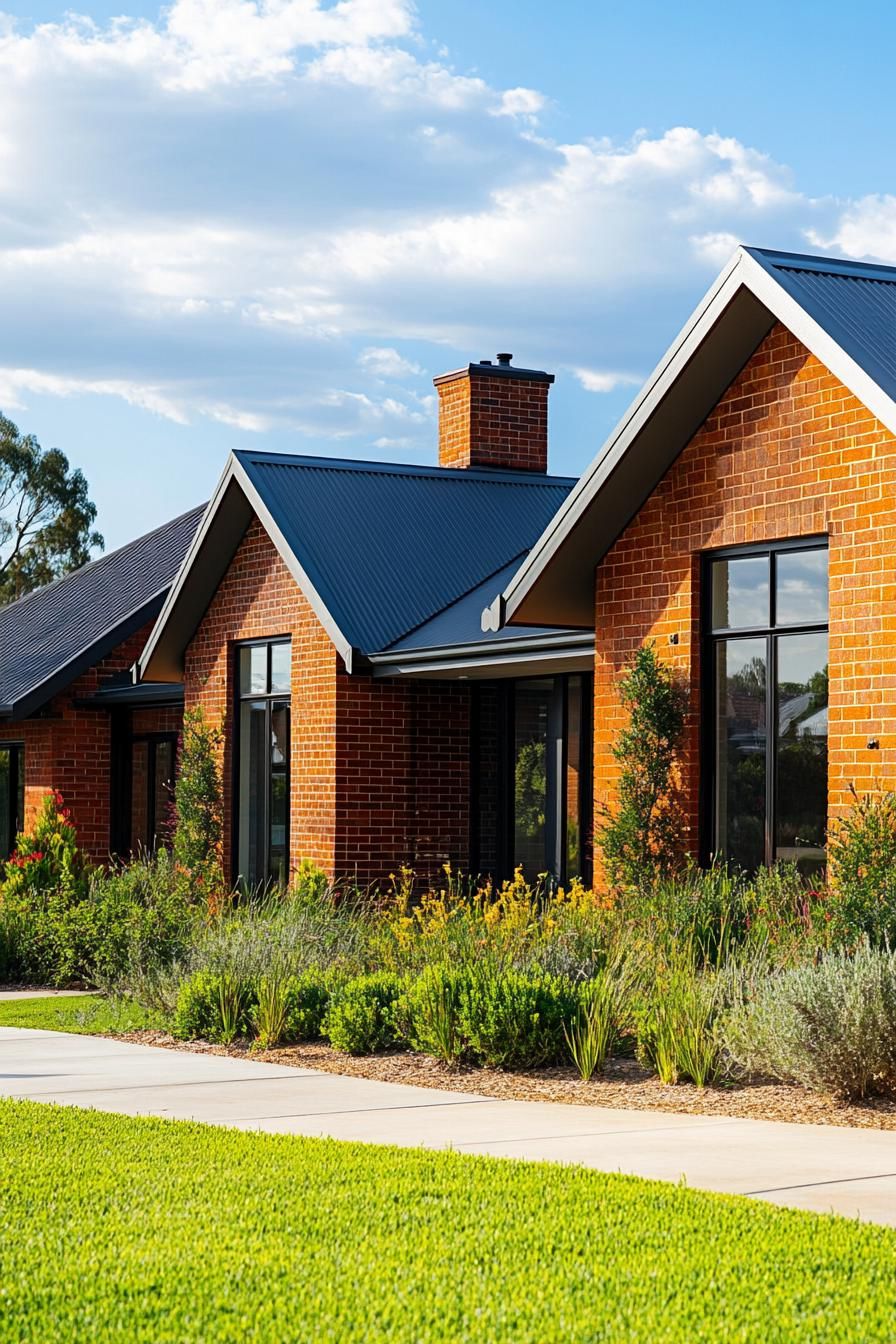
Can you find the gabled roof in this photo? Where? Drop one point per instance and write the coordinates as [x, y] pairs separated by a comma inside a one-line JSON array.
[[844, 312], [54, 634], [378, 549]]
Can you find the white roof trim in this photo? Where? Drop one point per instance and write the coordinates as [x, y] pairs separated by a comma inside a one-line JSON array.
[[235, 473], [742, 271]]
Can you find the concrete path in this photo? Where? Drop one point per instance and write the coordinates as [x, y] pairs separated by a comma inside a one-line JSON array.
[[43, 994], [820, 1167]]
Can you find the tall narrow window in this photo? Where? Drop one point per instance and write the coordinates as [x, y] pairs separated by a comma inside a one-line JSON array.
[[264, 682], [12, 795], [153, 765], [768, 656]]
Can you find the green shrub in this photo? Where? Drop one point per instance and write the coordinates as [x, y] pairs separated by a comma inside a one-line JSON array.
[[214, 1007], [830, 1026], [199, 824], [428, 1013], [514, 1019], [677, 1031], [307, 998], [592, 1035], [641, 836], [862, 870], [360, 1019]]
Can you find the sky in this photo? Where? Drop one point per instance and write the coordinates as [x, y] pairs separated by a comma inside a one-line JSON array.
[[270, 223]]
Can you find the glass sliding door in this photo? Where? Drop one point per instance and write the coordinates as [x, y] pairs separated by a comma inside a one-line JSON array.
[[262, 795], [12, 795], [767, 649], [531, 805]]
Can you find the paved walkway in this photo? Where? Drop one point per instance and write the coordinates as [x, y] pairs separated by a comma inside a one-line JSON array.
[[849, 1171]]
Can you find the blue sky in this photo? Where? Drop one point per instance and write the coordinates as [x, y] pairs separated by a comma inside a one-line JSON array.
[[237, 223]]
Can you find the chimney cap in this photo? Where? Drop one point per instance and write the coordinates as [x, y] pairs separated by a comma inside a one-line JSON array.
[[503, 369]]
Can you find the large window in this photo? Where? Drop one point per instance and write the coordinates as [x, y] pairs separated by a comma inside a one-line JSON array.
[[262, 796], [12, 795], [767, 665], [532, 803]]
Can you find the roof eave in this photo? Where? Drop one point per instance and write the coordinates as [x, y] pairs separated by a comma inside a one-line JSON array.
[[744, 274], [225, 522]]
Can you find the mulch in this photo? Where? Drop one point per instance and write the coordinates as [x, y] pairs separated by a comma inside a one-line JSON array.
[[625, 1085]]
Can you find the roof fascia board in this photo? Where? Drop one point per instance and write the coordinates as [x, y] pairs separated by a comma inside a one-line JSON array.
[[177, 586], [639, 412], [822, 345], [566, 643], [234, 473], [287, 555], [509, 664], [68, 672]]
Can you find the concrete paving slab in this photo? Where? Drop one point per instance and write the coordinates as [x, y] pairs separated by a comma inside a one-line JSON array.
[[816, 1167]]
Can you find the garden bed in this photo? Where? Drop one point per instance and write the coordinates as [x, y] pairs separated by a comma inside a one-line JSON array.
[[626, 1084]]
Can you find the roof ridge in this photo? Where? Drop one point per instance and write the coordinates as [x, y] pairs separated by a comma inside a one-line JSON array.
[[100, 559], [495, 475], [817, 262]]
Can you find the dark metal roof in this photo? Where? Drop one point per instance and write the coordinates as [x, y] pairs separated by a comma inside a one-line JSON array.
[[388, 546], [461, 622], [853, 301], [51, 636]]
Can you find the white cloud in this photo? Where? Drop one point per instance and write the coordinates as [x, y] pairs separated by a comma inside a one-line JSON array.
[[382, 361], [248, 212], [866, 229], [598, 380]]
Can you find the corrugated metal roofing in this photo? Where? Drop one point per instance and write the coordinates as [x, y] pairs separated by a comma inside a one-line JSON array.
[[461, 623], [387, 546], [853, 301], [58, 631]]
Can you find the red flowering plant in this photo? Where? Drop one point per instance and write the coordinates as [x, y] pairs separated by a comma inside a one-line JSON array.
[[47, 864]]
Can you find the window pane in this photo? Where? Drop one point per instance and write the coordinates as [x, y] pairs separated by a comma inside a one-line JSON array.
[[573, 780], [801, 587], [279, 792], [740, 590], [740, 767], [254, 670], [281, 667], [164, 793], [802, 764], [253, 790], [532, 703]]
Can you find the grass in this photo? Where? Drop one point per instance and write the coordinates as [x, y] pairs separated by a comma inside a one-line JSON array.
[[86, 1014], [113, 1228]]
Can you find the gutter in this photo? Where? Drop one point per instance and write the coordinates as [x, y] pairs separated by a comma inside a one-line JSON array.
[[500, 654]]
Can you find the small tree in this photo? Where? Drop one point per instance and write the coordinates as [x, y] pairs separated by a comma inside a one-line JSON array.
[[198, 827], [46, 514], [641, 836]]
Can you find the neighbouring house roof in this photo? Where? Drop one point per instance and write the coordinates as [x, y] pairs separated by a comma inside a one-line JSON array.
[[378, 549], [51, 636], [844, 312]]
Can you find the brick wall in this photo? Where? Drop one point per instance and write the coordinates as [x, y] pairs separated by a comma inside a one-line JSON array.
[[490, 420], [258, 598], [379, 768], [787, 452], [67, 747]]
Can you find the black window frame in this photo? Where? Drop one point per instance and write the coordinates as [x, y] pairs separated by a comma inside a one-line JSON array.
[[15, 819], [153, 741], [270, 697], [711, 637], [556, 764]]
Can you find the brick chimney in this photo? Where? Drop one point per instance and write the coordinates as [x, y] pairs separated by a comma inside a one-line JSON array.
[[494, 415]]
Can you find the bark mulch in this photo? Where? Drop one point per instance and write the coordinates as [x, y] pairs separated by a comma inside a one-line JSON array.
[[625, 1084]]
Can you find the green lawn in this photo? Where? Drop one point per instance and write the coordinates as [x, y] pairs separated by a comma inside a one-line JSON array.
[[146, 1230], [88, 1014]]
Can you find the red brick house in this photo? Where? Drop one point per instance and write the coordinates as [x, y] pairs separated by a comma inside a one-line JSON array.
[[381, 705], [743, 516], [71, 718]]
